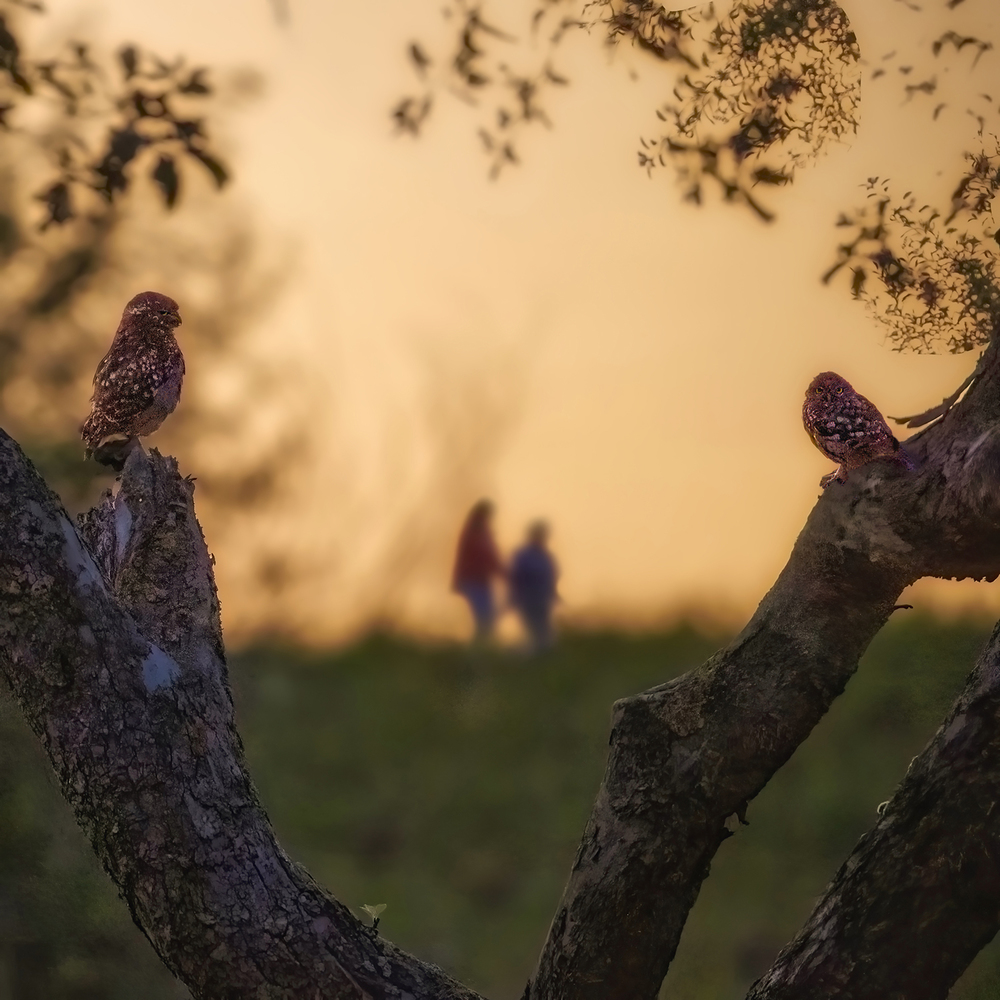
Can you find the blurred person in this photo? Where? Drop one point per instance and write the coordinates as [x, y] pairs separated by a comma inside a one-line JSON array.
[[477, 562], [532, 586]]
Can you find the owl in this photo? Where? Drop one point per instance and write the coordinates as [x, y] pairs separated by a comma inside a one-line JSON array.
[[138, 382], [846, 427]]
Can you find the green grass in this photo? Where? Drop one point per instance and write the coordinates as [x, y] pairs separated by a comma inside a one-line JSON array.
[[455, 788]]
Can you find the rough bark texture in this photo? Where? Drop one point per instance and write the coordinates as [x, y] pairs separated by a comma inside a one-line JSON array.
[[118, 665], [689, 755], [920, 895], [113, 648]]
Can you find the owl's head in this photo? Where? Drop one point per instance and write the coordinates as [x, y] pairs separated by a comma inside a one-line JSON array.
[[153, 306], [828, 385]]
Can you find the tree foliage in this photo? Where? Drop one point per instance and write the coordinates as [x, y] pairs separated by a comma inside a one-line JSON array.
[[758, 88], [105, 124], [100, 149], [935, 275]]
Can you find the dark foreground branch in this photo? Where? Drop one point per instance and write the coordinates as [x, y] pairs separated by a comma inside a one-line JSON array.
[[688, 756], [920, 895], [120, 672]]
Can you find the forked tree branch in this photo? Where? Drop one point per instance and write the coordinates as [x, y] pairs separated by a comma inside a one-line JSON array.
[[117, 662], [120, 672], [688, 756], [920, 895]]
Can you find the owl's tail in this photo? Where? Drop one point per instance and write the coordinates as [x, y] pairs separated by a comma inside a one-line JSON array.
[[106, 449]]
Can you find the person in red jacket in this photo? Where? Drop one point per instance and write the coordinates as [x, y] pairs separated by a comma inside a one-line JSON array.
[[477, 562]]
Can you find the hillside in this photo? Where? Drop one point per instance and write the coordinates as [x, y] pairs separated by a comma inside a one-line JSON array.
[[454, 789]]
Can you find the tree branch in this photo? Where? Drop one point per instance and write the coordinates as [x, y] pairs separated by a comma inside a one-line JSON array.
[[118, 665], [120, 672], [920, 895], [687, 756]]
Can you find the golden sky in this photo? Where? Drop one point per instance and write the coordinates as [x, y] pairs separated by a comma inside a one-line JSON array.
[[572, 340]]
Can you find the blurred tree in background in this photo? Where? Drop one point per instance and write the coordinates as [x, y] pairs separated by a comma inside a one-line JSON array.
[[100, 153]]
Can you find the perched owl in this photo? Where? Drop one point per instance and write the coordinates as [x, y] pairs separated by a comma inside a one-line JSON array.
[[846, 427], [138, 382]]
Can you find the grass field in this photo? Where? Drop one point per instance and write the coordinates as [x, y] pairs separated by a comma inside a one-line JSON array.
[[454, 789]]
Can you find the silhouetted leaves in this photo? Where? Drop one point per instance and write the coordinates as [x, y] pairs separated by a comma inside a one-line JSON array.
[[765, 175], [411, 113], [130, 60], [165, 175], [420, 58], [57, 205], [759, 79], [214, 167], [148, 112], [195, 83], [478, 75], [122, 148], [960, 42], [937, 281], [777, 77], [9, 57]]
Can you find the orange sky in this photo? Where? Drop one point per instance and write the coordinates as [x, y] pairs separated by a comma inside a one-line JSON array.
[[571, 340]]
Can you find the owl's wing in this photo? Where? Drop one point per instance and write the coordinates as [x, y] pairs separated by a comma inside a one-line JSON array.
[[832, 441], [126, 381], [877, 427]]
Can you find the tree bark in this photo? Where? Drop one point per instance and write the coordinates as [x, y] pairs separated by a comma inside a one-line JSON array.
[[117, 661], [689, 755], [119, 669], [920, 895]]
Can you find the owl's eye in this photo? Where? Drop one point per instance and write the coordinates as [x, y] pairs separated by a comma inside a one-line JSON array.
[[840, 389], [818, 391]]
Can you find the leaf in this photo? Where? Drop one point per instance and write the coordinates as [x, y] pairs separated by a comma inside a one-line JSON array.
[[129, 60], [764, 175], [195, 83], [122, 149], [214, 167], [57, 204], [165, 175], [553, 77], [420, 58], [187, 129], [374, 911]]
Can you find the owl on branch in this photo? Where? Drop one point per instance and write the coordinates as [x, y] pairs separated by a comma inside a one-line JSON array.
[[846, 427], [138, 382]]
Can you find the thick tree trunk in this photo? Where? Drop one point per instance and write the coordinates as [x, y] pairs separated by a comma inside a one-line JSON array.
[[120, 671], [687, 757], [920, 895]]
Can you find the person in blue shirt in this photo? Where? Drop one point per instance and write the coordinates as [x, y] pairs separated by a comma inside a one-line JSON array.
[[531, 580]]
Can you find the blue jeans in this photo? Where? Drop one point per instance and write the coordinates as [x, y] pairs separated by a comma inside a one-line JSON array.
[[537, 621], [480, 598]]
